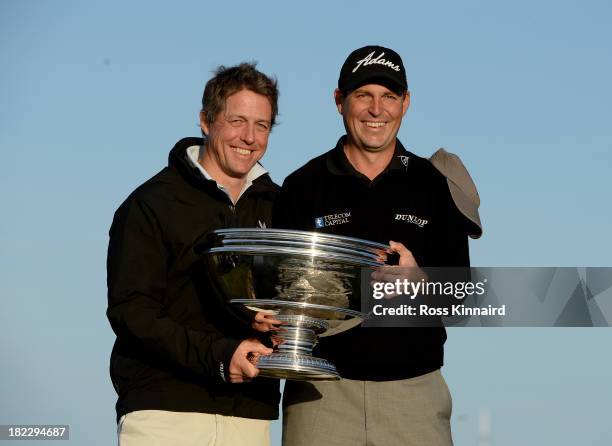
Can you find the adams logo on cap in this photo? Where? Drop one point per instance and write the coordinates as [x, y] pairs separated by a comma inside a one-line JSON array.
[[370, 60], [373, 64]]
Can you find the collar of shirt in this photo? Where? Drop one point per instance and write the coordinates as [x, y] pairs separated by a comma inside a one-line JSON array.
[[338, 163], [193, 154]]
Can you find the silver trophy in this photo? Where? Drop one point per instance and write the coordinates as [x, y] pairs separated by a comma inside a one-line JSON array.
[[311, 281]]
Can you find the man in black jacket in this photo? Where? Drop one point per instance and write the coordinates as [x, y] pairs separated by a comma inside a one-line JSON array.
[[181, 365], [369, 186]]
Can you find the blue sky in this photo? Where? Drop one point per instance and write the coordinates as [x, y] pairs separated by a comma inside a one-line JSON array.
[[93, 95]]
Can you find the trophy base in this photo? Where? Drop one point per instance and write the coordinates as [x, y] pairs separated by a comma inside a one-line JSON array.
[[292, 358], [296, 367]]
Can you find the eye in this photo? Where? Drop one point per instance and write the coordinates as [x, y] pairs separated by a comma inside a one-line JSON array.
[[263, 126], [390, 96], [236, 122]]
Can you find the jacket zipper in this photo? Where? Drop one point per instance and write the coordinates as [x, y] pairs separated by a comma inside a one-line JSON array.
[[234, 216]]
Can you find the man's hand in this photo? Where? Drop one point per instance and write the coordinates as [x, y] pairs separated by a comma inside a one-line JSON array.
[[406, 269], [406, 257], [242, 366], [265, 322]]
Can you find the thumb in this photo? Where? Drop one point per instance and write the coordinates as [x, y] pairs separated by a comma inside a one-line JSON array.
[[397, 247], [406, 257]]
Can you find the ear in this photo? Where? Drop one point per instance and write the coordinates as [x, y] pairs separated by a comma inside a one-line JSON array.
[[204, 123], [406, 102], [339, 98]]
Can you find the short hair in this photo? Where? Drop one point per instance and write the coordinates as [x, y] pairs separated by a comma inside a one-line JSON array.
[[230, 80]]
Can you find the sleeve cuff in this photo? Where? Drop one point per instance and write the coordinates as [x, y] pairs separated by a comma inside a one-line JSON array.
[[223, 351]]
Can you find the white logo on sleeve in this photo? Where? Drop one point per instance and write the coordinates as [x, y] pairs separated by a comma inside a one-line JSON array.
[[409, 218]]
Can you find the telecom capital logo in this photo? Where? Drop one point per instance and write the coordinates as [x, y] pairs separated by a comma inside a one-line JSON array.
[[332, 220], [409, 218]]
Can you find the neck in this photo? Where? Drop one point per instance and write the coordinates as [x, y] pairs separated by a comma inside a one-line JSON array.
[[233, 185], [370, 164]]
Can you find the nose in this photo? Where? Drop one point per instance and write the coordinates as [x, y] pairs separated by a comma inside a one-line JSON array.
[[375, 108], [248, 134]]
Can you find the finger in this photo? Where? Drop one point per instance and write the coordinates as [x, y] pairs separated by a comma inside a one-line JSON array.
[[377, 275], [260, 317], [236, 378], [397, 246], [243, 371], [264, 322], [249, 370], [274, 322], [239, 379], [396, 270], [406, 257], [271, 319], [258, 347], [262, 327], [277, 340], [266, 318]]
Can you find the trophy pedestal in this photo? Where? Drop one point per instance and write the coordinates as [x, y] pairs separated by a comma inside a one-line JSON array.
[[292, 359]]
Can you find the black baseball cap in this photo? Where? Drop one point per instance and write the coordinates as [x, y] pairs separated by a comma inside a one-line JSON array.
[[373, 64]]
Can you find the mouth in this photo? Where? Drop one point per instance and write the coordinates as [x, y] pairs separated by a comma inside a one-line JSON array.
[[241, 151], [374, 124]]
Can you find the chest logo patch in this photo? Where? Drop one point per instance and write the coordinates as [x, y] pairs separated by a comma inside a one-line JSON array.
[[332, 220], [409, 218]]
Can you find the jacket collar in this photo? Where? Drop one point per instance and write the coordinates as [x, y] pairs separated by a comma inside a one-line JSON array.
[[179, 159], [338, 163]]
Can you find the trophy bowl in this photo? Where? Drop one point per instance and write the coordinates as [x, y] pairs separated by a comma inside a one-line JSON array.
[[310, 281]]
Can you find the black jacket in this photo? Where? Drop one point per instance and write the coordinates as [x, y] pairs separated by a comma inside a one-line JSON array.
[[409, 202], [173, 335]]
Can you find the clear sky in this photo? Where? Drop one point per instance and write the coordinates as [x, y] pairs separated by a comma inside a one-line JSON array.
[[93, 94]]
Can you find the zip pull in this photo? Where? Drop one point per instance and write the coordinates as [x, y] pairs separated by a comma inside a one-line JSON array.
[[233, 217]]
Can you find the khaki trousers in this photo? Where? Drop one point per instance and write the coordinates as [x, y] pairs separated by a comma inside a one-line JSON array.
[[409, 412], [163, 428]]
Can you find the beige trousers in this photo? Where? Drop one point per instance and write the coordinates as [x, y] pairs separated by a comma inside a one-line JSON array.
[[409, 412], [163, 428]]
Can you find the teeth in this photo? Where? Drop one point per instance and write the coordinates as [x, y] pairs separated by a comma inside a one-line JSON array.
[[374, 124], [242, 151]]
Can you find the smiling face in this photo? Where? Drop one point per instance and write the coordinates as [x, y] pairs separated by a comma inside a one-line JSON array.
[[372, 116], [238, 137]]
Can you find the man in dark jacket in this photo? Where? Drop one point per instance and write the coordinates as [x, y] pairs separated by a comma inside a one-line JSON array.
[[369, 186], [181, 365]]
